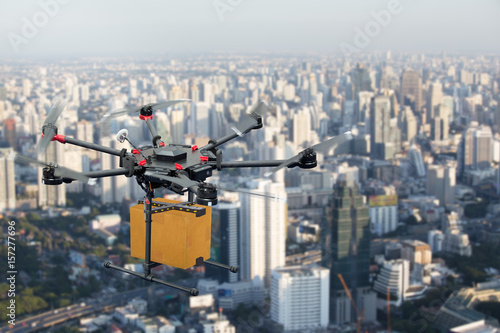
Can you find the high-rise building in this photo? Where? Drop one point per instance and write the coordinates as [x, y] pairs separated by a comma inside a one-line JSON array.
[[302, 127], [225, 239], [362, 112], [475, 149], [300, 297], [395, 277], [434, 99], [416, 160], [9, 131], [380, 126], [408, 124], [383, 214], [113, 189], [346, 251], [411, 90], [262, 231], [7, 180], [441, 181], [361, 80]]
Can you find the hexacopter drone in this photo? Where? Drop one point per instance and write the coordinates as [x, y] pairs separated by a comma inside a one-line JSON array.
[[170, 232]]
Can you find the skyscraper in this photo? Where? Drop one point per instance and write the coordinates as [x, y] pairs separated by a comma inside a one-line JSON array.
[[380, 128], [475, 149], [7, 180], [411, 90], [346, 251], [408, 124], [262, 232], [9, 131], [361, 80], [299, 297], [225, 239], [434, 99], [441, 182]]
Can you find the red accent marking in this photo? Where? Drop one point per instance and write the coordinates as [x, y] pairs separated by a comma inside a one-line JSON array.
[[162, 144], [60, 138], [145, 117], [142, 163], [204, 158], [147, 201], [135, 151], [195, 147], [178, 166]]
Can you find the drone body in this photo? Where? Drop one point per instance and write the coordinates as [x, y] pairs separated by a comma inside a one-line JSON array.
[[179, 168]]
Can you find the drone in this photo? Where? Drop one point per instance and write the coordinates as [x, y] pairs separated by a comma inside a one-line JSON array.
[[177, 167]]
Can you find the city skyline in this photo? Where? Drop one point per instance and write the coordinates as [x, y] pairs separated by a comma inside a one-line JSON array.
[[67, 28]]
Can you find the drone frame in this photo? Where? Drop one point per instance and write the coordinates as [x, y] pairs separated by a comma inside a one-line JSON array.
[[206, 193]]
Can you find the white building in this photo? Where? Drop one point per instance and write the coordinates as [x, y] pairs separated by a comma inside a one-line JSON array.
[[383, 219], [109, 222], [415, 156], [435, 239], [300, 297], [262, 231], [7, 180], [457, 242], [395, 276]]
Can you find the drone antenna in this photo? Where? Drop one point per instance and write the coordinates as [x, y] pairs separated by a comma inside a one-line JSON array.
[[122, 135]]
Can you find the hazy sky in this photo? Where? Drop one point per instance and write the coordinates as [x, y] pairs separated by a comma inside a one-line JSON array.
[[125, 27]]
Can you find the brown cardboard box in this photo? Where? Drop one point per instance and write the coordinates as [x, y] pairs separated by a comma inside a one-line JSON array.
[[177, 237]]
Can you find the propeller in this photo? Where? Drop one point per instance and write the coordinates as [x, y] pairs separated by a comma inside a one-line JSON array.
[[59, 171], [249, 192], [49, 129], [251, 120], [152, 106], [322, 147]]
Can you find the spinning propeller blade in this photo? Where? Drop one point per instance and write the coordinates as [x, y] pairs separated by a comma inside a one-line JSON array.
[[49, 129], [155, 106], [250, 120], [59, 171], [322, 147]]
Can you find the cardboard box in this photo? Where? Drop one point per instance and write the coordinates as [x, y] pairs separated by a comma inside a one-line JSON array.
[[177, 237]]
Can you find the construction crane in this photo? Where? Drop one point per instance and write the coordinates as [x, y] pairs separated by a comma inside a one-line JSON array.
[[360, 315]]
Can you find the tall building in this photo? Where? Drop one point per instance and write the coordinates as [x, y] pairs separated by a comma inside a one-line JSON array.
[[415, 156], [395, 276], [225, 240], [7, 180], [300, 297], [475, 149], [346, 251], [362, 111], [262, 231], [383, 214], [441, 181], [360, 77], [434, 99], [9, 131], [411, 90], [301, 127], [113, 189], [380, 117], [408, 124]]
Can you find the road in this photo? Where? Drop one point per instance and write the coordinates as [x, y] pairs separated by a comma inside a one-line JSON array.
[[57, 316]]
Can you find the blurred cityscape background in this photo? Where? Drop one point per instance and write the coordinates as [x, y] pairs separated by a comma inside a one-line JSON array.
[[396, 230]]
